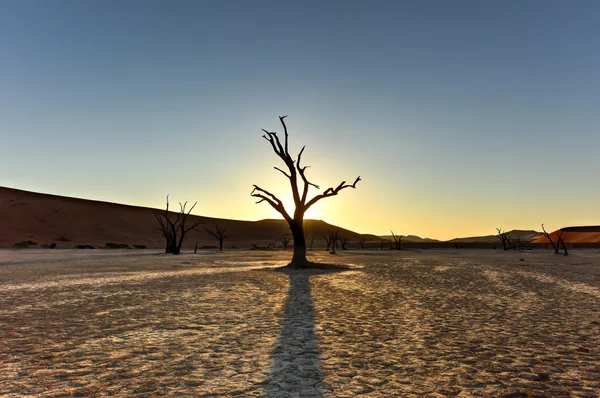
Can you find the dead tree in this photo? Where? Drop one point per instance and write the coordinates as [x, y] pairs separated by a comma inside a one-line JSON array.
[[361, 242], [295, 171], [174, 231], [311, 242], [285, 240], [344, 242], [328, 240], [397, 240], [561, 242], [503, 236], [333, 240], [383, 242], [555, 247], [255, 247], [219, 234]]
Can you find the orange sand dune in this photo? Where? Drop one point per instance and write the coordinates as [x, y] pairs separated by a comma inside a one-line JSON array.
[[585, 235], [44, 218]]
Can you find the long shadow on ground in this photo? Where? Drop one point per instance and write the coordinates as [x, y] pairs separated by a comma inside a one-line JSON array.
[[296, 368]]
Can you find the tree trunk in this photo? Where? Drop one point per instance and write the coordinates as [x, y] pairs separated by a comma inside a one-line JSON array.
[[299, 259], [221, 244]]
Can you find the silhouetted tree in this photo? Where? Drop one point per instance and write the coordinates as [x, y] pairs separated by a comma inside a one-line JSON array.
[[361, 242], [219, 234], [503, 236], [328, 239], [555, 247], [301, 201], [560, 241], [333, 239], [344, 242], [312, 239], [285, 240], [397, 240], [383, 242], [174, 231]]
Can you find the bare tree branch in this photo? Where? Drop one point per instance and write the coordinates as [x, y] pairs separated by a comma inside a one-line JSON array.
[[283, 172], [332, 192], [301, 171]]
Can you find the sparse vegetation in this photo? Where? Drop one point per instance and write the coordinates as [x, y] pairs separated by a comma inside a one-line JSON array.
[[139, 246], [63, 239], [112, 245], [83, 247], [21, 245], [48, 246]]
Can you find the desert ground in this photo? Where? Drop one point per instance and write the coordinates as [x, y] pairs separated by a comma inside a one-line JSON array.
[[412, 323]]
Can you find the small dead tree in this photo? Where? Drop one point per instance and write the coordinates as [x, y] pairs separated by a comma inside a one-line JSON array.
[[327, 241], [332, 240], [174, 231], [397, 240], [219, 234], [504, 238], [361, 242], [383, 242], [344, 242], [561, 242], [556, 247], [295, 173], [285, 240], [311, 242]]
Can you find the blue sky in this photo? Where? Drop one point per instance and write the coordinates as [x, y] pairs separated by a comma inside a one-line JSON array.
[[460, 116]]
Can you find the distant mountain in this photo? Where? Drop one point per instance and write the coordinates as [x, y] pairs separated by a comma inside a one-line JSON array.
[[47, 219], [410, 238], [525, 236]]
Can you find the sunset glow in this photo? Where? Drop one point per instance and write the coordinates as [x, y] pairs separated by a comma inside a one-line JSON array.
[[451, 135]]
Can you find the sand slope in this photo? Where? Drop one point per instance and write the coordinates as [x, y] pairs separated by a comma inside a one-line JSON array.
[[45, 218], [588, 234]]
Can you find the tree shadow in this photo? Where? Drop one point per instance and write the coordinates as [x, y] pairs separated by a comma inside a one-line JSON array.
[[296, 367]]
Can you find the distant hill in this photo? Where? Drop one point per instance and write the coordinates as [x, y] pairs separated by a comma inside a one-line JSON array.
[[45, 219], [525, 236], [410, 238], [584, 235]]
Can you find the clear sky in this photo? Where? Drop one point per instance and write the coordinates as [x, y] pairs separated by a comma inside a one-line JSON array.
[[460, 116]]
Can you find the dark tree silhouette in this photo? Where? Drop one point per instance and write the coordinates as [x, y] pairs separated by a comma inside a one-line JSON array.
[[561, 242], [285, 240], [555, 247], [294, 171], [333, 240], [397, 241], [503, 236], [361, 242], [312, 240], [174, 231], [344, 242], [219, 234], [329, 240], [382, 243]]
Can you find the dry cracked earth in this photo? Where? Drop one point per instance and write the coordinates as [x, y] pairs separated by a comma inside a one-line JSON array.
[[447, 323]]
